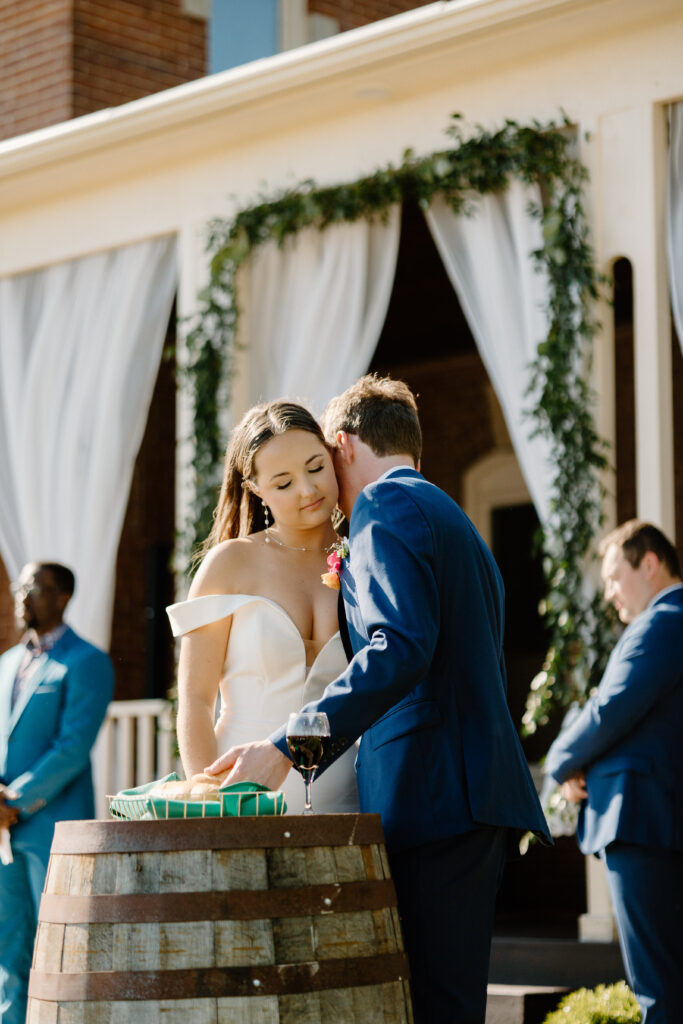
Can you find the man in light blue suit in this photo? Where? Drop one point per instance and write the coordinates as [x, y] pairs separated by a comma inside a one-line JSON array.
[[54, 692], [622, 758], [439, 758]]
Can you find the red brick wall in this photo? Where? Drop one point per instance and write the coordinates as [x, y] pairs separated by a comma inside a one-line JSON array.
[[125, 49], [353, 13], [8, 634], [35, 64], [453, 399], [63, 58], [148, 531]]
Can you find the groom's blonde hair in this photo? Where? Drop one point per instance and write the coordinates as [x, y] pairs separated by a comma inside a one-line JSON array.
[[382, 412]]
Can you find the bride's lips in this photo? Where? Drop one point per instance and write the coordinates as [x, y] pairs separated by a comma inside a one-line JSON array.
[[314, 505]]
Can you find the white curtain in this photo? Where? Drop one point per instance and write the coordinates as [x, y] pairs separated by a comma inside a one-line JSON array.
[[316, 308], [487, 257], [675, 215], [80, 346]]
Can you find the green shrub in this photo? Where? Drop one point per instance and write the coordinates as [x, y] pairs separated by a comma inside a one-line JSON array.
[[606, 1004]]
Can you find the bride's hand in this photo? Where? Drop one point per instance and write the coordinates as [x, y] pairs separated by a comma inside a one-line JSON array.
[[260, 762]]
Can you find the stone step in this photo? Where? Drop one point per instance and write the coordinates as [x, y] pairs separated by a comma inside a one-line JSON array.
[[563, 963], [521, 1004]]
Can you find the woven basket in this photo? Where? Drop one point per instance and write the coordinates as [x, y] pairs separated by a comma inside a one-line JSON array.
[[241, 800]]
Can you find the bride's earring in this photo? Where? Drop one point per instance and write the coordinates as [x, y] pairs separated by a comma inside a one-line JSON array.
[[266, 518]]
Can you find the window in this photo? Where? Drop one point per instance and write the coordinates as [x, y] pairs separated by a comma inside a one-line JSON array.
[[241, 31]]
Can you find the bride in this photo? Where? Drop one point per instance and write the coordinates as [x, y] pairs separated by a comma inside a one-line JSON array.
[[259, 629]]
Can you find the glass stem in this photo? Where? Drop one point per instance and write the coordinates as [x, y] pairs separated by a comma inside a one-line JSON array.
[[308, 779]]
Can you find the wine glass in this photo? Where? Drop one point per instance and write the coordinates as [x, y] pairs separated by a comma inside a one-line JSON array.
[[307, 735]]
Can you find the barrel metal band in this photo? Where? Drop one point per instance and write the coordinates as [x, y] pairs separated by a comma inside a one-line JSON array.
[[219, 982], [237, 905], [83, 837]]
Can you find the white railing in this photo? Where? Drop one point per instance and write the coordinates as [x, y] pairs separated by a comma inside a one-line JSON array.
[[136, 744]]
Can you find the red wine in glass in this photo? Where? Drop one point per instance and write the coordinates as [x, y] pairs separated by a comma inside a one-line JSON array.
[[307, 735]]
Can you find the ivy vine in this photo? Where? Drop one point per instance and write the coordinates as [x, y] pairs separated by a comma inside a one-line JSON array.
[[560, 402]]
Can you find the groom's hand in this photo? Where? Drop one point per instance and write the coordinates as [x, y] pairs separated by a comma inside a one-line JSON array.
[[260, 762]]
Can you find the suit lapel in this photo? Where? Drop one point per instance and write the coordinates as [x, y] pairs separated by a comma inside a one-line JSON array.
[[37, 676], [28, 689], [11, 663], [344, 627]]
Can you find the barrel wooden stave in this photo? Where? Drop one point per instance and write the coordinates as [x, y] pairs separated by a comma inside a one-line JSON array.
[[383, 1004], [380, 1004], [79, 948]]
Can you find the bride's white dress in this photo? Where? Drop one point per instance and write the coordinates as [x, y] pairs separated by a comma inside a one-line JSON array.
[[264, 678]]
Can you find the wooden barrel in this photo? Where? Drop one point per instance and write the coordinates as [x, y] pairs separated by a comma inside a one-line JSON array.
[[283, 920]]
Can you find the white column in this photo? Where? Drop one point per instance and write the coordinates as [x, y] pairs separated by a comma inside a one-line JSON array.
[[630, 222], [293, 22], [598, 925], [652, 321]]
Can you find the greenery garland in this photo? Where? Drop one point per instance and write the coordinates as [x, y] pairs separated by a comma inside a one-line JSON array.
[[478, 161]]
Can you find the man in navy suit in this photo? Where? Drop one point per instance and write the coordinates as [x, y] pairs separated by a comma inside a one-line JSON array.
[[622, 758], [54, 692], [439, 757]]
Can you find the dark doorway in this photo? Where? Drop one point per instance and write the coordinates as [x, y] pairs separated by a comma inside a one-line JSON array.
[[624, 373], [426, 341], [515, 549]]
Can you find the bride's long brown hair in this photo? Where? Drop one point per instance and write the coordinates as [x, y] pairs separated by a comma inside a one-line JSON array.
[[239, 511]]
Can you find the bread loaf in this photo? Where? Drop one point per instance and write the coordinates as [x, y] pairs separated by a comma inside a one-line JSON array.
[[179, 790], [199, 787], [213, 780]]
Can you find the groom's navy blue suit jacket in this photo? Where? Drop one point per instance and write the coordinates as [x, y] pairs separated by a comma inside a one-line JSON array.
[[426, 687]]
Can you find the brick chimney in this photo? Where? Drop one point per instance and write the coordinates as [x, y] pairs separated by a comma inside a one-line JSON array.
[[63, 58]]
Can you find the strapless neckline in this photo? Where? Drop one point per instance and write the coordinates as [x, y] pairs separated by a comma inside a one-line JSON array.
[[288, 618], [232, 603], [275, 604]]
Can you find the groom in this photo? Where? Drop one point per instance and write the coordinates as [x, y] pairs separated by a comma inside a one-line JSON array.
[[439, 758]]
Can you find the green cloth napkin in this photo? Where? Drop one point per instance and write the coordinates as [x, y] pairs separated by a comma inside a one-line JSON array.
[[239, 800]]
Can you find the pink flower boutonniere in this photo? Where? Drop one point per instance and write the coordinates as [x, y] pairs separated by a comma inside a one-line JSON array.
[[339, 551]]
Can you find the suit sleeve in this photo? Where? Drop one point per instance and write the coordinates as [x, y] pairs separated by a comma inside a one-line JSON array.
[[88, 689], [644, 667], [398, 599]]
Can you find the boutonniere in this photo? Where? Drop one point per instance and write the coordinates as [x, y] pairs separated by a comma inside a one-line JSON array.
[[339, 551]]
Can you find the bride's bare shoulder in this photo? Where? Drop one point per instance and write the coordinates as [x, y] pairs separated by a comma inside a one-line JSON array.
[[227, 567]]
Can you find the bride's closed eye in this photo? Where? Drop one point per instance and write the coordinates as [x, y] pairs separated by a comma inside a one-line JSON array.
[[283, 487]]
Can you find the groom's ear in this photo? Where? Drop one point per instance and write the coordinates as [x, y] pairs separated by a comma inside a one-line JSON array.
[[344, 445]]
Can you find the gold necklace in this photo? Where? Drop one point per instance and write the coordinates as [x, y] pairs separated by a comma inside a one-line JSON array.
[[294, 547]]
